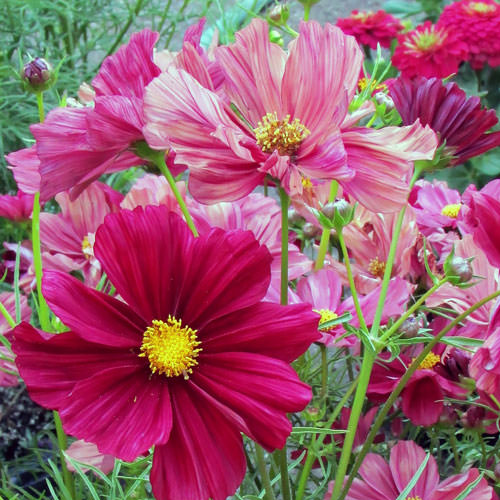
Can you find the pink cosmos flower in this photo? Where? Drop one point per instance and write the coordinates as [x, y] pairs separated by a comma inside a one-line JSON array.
[[323, 290], [371, 28], [188, 360], [368, 239], [8, 299], [461, 299], [69, 235], [436, 206], [288, 123], [88, 454], [477, 23], [457, 119], [423, 395], [386, 481], [429, 50], [17, 208]]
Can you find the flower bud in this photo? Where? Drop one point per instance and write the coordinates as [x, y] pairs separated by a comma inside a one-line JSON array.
[[38, 75], [449, 416], [383, 98], [293, 216], [310, 230], [409, 329], [473, 417], [497, 471], [458, 269], [279, 14], [343, 215], [328, 210]]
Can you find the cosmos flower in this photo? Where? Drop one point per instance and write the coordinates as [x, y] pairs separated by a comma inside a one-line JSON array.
[[386, 481], [477, 23], [460, 122], [285, 120], [429, 50], [17, 208], [371, 28], [186, 361]]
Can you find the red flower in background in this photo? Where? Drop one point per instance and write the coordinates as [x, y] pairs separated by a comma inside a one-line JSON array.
[[190, 358], [429, 50], [370, 28], [478, 25]]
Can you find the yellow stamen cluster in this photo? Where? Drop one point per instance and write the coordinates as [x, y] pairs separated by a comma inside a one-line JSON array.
[[374, 85], [362, 15], [282, 136], [430, 361], [306, 183], [326, 315], [451, 210], [376, 267], [413, 498], [170, 348], [478, 8], [87, 247]]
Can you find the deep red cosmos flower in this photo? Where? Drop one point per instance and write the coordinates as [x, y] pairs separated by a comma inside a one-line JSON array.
[[478, 25], [429, 50], [190, 358], [456, 119], [370, 28]]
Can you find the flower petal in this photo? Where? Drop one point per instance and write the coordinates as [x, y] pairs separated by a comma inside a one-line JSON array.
[[94, 316], [212, 462]]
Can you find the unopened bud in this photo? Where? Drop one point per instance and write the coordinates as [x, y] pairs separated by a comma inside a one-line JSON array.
[[383, 98], [343, 215], [458, 269], [497, 471], [328, 210], [409, 329], [293, 216], [279, 14], [38, 75], [310, 230], [473, 417], [448, 416]]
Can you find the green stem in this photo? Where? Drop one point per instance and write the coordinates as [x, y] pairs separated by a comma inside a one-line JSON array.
[[350, 277], [319, 441], [39, 102], [261, 465], [285, 201], [324, 372], [357, 407], [325, 235], [307, 11], [159, 160], [285, 481], [62, 441], [394, 328], [454, 447], [379, 421], [43, 308]]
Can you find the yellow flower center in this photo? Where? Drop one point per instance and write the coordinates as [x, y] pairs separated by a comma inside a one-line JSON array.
[[430, 361], [170, 347], [87, 247], [413, 498], [451, 210], [326, 315], [306, 183], [427, 40], [376, 267], [478, 7], [280, 135], [362, 16]]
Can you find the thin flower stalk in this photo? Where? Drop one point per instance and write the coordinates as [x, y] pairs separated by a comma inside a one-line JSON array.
[[325, 235]]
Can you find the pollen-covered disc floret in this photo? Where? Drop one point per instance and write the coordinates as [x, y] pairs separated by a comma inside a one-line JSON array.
[[282, 136], [451, 210], [171, 348], [376, 267], [430, 361], [326, 315]]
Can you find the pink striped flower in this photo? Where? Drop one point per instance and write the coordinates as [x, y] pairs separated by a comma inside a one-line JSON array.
[[17, 208], [188, 360], [285, 119], [386, 481]]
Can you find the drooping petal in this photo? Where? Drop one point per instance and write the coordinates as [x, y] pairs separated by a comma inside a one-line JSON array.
[[93, 315], [171, 272], [130, 69], [212, 462], [376, 473], [382, 161], [87, 453], [260, 389], [51, 365], [321, 289], [25, 168], [454, 486], [423, 398], [289, 331], [123, 409]]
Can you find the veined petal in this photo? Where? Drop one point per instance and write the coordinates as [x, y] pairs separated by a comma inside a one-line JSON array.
[[212, 463]]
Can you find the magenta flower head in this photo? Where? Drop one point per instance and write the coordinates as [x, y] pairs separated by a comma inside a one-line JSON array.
[[189, 359], [456, 119]]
